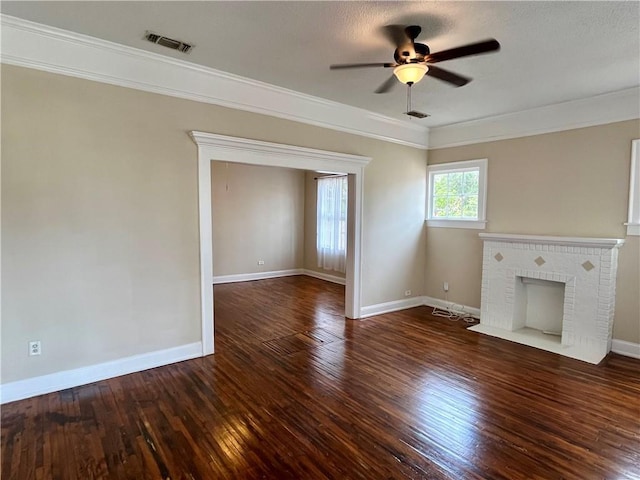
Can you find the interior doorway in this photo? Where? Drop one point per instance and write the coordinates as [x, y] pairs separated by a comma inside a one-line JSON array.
[[240, 150]]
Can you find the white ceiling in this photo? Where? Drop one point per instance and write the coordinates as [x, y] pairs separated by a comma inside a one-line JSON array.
[[551, 51]]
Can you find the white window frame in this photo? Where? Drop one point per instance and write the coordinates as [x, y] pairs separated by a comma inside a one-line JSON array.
[[452, 167], [633, 222]]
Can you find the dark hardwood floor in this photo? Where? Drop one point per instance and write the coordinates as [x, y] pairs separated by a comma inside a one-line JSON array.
[[295, 391]]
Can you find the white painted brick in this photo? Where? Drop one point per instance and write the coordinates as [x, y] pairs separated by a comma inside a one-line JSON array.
[[589, 296]]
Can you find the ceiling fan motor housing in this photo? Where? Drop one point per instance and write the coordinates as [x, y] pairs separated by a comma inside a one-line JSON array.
[[411, 53]]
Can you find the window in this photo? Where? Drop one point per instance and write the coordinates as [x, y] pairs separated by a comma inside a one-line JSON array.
[[332, 223], [457, 194], [633, 224]]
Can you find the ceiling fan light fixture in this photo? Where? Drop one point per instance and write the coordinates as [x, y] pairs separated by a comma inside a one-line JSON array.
[[410, 73]]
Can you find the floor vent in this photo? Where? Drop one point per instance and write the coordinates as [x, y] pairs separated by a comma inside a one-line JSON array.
[[168, 42], [301, 341]]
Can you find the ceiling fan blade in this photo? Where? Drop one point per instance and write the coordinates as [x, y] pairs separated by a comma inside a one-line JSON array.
[[360, 65], [447, 76], [387, 85], [485, 46]]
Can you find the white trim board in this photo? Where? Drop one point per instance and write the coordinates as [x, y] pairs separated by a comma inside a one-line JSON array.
[[242, 150], [324, 276], [633, 222], [451, 306], [21, 389], [628, 349], [397, 305], [33, 45], [586, 112], [585, 242], [393, 306], [31, 387], [42, 47], [248, 277]]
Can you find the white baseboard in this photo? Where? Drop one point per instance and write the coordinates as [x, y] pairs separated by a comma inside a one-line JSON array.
[[451, 306], [324, 276], [247, 277], [628, 349], [393, 306], [54, 382], [396, 305]]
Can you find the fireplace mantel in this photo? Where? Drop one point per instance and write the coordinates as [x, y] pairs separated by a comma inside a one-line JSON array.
[[585, 267], [548, 240]]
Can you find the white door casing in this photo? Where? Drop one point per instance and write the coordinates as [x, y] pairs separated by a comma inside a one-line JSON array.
[[241, 150]]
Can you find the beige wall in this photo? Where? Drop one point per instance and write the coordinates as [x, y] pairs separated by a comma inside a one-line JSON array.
[[100, 220], [311, 227], [100, 238], [100, 230], [258, 214], [571, 183]]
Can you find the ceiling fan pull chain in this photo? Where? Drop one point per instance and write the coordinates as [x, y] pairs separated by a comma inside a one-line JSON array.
[[408, 98]]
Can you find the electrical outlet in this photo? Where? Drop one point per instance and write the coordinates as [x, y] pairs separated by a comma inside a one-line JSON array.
[[260, 262], [35, 348], [407, 293], [445, 286]]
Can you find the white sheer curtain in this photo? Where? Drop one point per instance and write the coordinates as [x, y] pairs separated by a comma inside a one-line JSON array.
[[332, 223]]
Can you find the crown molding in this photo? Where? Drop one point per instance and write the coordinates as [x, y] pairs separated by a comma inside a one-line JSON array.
[[33, 45], [587, 112]]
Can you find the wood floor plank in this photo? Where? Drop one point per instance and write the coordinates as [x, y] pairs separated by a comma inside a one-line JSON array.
[[297, 391]]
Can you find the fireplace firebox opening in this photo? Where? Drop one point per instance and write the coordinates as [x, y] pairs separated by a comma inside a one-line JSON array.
[[539, 306]]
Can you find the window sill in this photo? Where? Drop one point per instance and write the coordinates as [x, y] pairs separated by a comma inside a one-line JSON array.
[[633, 229], [476, 224]]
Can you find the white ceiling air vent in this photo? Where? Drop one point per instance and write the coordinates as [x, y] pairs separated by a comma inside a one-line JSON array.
[[417, 114], [168, 42]]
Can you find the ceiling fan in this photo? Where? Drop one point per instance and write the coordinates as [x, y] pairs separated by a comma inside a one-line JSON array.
[[414, 60]]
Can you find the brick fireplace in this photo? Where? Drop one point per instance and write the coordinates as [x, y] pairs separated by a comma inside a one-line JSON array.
[[553, 293]]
